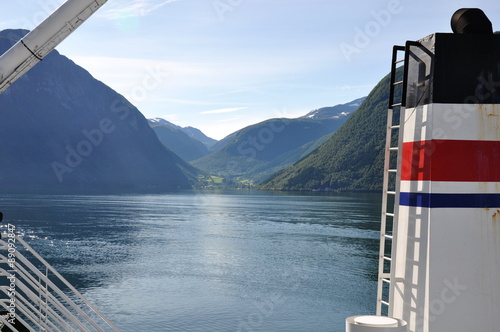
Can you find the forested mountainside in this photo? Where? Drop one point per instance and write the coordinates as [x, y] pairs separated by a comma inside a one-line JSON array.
[[352, 159]]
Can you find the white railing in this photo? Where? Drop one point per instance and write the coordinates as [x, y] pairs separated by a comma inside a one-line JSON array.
[[31, 298]]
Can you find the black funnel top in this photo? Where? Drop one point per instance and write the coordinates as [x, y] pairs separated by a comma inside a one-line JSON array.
[[471, 20]]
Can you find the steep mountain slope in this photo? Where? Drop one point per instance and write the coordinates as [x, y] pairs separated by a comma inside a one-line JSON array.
[[257, 151], [177, 140], [62, 130], [352, 159]]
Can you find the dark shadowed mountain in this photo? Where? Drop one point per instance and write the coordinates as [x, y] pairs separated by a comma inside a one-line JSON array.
[[352, 159], [178, 140], [62, 130]]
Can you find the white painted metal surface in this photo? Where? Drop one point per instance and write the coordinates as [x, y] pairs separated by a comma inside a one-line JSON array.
[[375, 324], [381, 321], [446, 262], [44, 38]]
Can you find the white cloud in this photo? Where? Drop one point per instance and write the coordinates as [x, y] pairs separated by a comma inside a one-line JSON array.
[[125, 73], [224, 110], [134, 8], [225, 78]]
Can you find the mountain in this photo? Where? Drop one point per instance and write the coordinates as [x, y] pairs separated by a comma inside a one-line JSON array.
[[190, 131], [200, 136], [257, 151], [160, 121], [335, 112], [332, 116], [62, 130], [351, 160], [177, 140]]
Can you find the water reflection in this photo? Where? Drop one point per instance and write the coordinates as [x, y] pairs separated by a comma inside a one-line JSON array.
[[211, 261]]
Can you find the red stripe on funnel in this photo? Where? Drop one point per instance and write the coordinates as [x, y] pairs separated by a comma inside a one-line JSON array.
[[451, 160]]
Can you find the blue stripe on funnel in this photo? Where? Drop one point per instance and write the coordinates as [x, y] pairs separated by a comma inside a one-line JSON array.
[[450, 200]]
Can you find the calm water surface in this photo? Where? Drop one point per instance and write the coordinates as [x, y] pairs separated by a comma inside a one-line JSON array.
[[211, 261]]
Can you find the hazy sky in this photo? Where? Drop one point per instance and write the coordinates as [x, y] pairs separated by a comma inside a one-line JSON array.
[[220, 65]]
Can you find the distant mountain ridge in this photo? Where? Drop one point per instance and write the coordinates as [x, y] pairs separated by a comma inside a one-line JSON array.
[[200, 136], [190, 131], [256, 152], [180, 141], [161, 121], [62, 130], [335, 112], [352, 159]]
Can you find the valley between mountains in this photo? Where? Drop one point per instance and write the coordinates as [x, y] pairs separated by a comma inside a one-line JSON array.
[[61, 130]]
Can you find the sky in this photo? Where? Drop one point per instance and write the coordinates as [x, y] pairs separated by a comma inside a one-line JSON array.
[[221, 65]]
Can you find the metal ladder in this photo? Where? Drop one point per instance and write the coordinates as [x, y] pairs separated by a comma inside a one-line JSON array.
[[390, 184]]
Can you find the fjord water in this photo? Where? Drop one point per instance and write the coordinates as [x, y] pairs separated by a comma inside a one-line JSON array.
[[211, 261]]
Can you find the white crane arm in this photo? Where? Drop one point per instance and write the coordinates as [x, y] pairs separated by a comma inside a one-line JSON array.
[[44, 38]]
